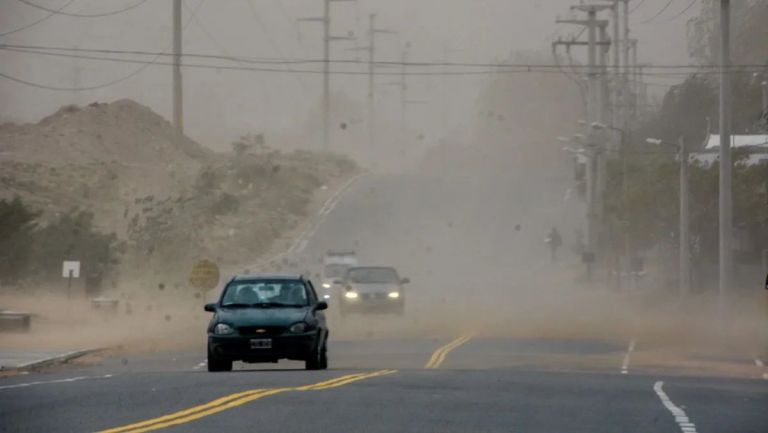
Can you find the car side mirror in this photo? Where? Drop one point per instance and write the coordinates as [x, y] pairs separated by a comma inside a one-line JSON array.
[[211, 308], [320, 306], [405, 281]]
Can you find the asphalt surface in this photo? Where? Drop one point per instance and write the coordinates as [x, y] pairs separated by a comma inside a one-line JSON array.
[[432, 370]]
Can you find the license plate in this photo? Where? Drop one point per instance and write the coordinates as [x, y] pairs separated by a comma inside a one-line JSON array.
[[261, 343]]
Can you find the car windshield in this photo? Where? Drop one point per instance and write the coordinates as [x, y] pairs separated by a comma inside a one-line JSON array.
[[372, 275], [265, 293], [335, 271]]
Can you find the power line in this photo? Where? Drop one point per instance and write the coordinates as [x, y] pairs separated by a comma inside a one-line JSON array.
[[658, 14], [679, 14], [34, 23], [32, 49], [510, 68], [637, 6], [138, 70], [97, 15], [270, 39]]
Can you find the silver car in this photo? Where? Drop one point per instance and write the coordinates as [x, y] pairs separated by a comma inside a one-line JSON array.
[[372, 289]]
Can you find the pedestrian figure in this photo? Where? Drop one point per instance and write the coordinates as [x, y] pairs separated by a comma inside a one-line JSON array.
[[554, 241]]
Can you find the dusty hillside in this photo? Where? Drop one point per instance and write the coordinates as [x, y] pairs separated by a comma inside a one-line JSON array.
[[168, 204], [122, 131]]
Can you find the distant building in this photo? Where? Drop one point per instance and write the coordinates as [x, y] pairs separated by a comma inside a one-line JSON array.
[[755, 145]]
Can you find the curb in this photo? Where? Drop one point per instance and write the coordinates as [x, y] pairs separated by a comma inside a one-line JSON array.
[[56, 360]]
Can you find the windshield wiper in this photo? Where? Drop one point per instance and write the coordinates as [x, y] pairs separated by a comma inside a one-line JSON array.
[[236, 305], [277, 305]]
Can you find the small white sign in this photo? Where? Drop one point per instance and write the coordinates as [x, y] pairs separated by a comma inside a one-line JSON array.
[[70, 268]]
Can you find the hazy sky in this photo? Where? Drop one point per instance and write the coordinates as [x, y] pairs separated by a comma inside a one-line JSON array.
[[221, 105]]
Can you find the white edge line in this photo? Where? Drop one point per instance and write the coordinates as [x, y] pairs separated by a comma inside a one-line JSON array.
[[49, 382], [625, 362], [682, 420]]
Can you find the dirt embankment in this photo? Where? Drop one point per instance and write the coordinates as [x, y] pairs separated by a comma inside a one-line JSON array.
[[168, 202]]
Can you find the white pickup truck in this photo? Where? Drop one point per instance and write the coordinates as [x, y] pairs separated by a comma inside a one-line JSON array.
[[335, 265]]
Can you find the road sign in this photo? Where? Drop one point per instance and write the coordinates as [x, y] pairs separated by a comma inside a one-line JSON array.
[[70, 269], [204, 275]]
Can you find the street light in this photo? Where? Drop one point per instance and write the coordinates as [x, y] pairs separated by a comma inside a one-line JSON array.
[[685, 234]]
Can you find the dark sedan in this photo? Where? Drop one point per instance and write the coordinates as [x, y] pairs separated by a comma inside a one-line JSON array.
[[265, 318]]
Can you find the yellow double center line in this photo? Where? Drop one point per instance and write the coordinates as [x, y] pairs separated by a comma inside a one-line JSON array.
[[235, 400], [438, 357]]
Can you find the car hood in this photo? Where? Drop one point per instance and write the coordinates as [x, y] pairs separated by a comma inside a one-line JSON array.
[[375, 287], [238, 317]]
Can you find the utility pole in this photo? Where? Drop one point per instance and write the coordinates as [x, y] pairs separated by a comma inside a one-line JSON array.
[[726, 203], [594, 113], [635, 80], [619, 86], [371, 49], [625, 76], [77, 72], [327, 39], [404, 88], [178, 97], [764, 85], [371, 81], [685, 233]]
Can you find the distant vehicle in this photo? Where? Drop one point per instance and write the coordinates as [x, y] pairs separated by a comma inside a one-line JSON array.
[[15, 321], [266, 318], [335, 266], [370, 289]]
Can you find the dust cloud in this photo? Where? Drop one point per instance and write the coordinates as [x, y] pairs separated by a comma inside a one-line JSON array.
[[462, 188]]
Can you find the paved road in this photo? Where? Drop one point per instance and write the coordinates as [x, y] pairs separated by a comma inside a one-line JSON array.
[[469, 355], [170, 391]]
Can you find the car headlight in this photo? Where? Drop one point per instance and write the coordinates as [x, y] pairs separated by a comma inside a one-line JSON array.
[[298, 328], [223, 329], [351, 295], [394, 295], [327, 285], [326, 296]]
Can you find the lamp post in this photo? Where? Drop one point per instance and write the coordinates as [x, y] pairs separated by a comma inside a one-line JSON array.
[[624, 189], [685, 232]]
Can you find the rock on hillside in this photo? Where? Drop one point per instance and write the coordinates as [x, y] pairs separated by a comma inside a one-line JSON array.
[[123, 131]]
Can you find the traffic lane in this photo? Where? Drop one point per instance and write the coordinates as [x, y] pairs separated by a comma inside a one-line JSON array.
[[383, 353], [587, 355], [720, 405], [459, 401], [124, 389], [374, 352], [91, 405]]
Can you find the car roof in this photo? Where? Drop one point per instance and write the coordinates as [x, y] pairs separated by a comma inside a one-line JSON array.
[[251, 277]]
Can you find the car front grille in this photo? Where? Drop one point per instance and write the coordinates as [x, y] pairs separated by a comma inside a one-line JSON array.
[[373, 296], [263, 331]]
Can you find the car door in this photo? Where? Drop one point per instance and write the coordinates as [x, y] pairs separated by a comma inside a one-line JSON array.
[[313, 300]]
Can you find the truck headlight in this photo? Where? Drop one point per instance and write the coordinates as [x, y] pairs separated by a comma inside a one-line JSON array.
[[223, 329], [394, 295], [351, 295], [326, 285]]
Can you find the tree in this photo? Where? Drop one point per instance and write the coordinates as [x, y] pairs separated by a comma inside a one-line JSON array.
[[73, 237], [17, 224]]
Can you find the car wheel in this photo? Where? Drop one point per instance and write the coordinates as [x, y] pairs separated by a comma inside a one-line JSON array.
[[216, 364], [317, 358], [324, 357]]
